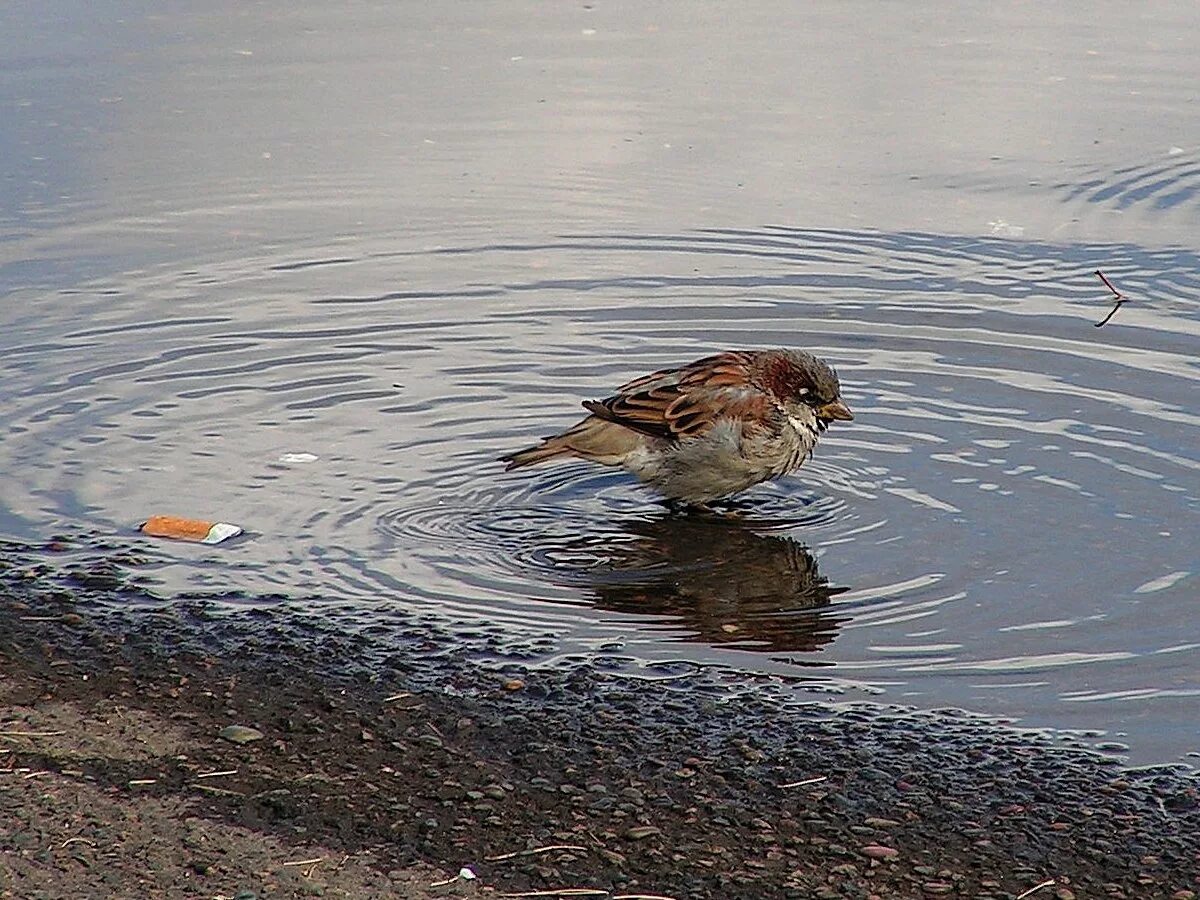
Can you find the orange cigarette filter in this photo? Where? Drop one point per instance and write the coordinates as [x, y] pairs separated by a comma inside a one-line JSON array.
[[183, 529]]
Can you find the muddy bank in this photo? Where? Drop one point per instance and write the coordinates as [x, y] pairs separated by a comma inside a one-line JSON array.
[[381, 770]]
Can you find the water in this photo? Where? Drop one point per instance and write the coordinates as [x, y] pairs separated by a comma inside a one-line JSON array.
[[402, 240]]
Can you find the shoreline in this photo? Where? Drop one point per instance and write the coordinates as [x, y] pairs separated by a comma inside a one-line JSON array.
[[396, 775]]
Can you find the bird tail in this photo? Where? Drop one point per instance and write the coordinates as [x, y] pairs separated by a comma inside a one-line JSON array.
[[604, 442], [550, 448]]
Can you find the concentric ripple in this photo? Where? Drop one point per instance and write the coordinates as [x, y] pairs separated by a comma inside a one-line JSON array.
[[1009, 522]]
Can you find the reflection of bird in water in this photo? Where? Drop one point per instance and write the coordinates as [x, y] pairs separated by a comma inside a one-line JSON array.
[[725, 582]]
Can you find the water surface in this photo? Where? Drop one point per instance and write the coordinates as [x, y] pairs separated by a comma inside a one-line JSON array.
[[312, 270]]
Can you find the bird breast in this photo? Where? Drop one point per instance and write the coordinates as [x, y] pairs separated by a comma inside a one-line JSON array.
[[805, 424]]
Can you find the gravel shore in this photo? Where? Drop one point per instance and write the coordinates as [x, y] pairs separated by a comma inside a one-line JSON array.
[[382, 773]]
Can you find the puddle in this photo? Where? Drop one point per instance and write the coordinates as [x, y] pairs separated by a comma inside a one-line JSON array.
[[313, 273]]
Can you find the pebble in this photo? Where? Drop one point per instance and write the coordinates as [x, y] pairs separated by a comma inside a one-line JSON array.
[[878, 851], [876, 822], [241, 734], [640, 832]]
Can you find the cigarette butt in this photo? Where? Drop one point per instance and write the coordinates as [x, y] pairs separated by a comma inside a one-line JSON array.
[[189, 529]]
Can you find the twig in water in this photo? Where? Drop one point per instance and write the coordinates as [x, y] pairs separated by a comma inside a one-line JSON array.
[[796, 784], [1120, 298], [534, 851], [1049, 882]]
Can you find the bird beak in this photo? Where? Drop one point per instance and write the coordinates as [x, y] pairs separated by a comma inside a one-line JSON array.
[[835, 410]]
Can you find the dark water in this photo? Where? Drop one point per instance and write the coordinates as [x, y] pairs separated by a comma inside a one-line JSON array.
[[310, 270]]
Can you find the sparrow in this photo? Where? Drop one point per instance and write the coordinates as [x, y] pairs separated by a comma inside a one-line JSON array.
[[709, 429]]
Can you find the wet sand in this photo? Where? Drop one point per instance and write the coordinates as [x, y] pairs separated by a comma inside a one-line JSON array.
[[379, 779]]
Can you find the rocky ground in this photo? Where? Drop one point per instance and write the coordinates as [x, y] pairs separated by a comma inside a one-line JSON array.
[[120, 775]]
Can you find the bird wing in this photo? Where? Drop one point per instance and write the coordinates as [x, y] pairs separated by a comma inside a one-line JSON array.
[[688, 401]]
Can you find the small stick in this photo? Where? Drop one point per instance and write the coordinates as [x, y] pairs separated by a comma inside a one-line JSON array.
[[75, 840], [394, 697], [1121, 298], [795, 784], [31, 733], [135, 781], [464, 874], [562, 892], [1108, 284], [305, 862], [534, 851], [1049, 882], [217, 774], [37, 774]]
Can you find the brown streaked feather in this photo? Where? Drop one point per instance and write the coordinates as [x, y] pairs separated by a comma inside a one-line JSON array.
[[697, 412], [688, 401], [654, 427], [731, 367]]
